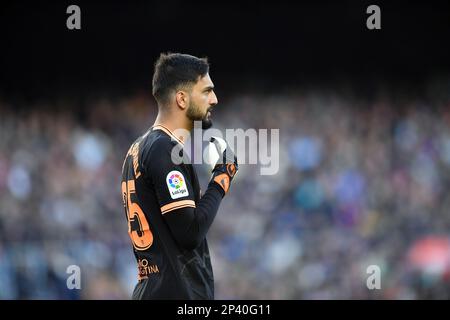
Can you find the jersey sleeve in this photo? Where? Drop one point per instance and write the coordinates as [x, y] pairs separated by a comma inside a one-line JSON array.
[[172, 181], [188, 221]]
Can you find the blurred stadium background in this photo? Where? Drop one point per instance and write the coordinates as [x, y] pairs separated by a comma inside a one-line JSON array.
[[364, 123]]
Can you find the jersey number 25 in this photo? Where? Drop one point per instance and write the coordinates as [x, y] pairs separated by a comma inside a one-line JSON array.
[[138, 227]]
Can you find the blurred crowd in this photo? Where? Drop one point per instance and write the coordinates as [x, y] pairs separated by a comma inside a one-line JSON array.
[[362, 181]]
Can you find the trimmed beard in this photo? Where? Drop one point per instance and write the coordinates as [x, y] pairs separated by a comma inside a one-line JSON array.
[[194, 113]]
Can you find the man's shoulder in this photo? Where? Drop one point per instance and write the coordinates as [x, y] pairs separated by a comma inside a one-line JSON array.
[[156, 145], [157, 140]]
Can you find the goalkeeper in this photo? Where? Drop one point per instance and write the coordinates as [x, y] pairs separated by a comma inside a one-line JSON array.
[[168, 218]]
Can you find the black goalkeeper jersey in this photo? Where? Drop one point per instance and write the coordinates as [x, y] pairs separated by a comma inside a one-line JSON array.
[[161, 199]]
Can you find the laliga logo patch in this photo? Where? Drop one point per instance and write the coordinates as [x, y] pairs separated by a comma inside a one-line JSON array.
[[176, 184]]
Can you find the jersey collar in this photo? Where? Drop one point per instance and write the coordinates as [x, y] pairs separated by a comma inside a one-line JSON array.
[[167, 130]]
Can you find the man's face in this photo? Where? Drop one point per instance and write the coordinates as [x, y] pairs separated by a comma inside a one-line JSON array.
[[202, 100]]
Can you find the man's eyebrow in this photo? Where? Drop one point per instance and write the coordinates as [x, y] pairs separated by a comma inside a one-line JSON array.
[[208, 88]]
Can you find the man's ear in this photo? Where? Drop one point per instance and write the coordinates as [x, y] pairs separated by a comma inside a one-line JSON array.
[[182, 99]]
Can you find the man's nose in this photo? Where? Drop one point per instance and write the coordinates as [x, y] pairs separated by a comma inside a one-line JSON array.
[[213, 100]]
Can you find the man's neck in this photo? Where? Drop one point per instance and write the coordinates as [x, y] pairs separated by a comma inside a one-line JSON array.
[[173, 124]]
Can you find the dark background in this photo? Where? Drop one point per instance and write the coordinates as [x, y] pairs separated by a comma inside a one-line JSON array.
[[250, 44]]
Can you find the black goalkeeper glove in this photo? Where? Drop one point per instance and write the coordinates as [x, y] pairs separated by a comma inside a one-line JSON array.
[[225, 168]]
